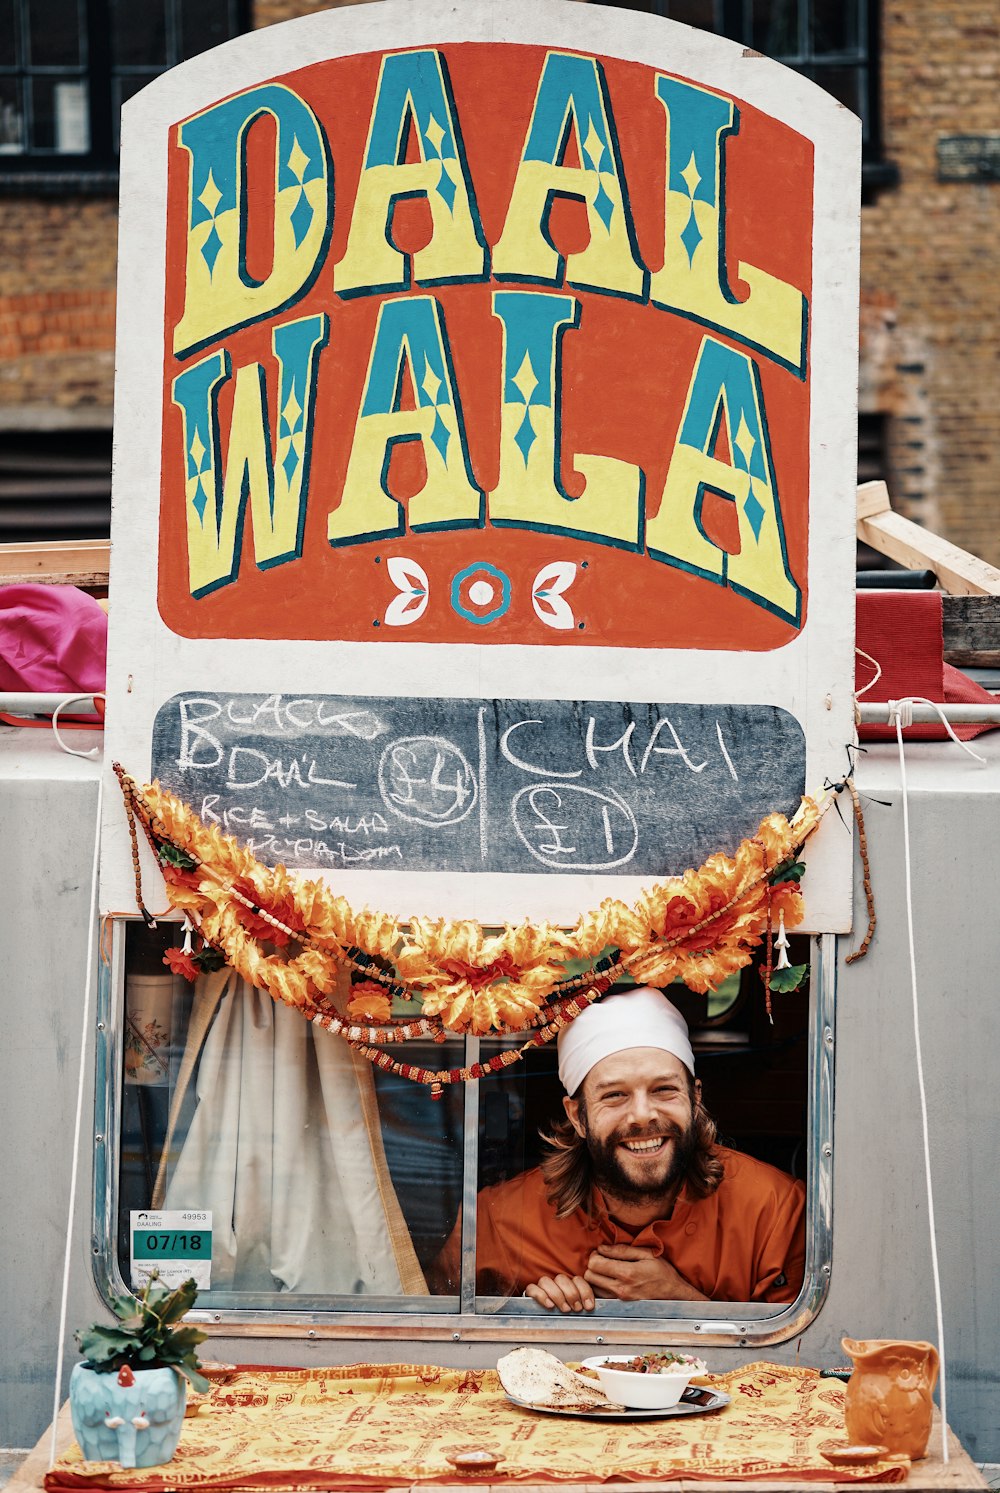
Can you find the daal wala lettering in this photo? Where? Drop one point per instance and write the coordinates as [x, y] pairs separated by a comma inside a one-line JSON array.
[[258, 437]]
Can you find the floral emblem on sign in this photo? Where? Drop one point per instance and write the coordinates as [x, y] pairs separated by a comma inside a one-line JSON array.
[[481, 593], [410, 580], [547, 594]]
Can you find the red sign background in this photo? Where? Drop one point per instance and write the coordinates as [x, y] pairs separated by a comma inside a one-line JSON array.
[[625, 375]]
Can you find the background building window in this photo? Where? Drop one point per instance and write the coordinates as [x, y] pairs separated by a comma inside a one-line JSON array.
[[834, 42], [67, 66]]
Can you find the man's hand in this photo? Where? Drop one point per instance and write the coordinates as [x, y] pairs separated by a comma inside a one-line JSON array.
[[570, 1293], [628, 1272]]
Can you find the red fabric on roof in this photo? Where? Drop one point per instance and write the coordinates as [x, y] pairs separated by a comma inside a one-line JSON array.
[[52, 639], [903, 632]]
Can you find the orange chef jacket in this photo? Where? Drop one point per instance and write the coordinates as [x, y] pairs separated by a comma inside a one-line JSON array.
[[744, 1243]]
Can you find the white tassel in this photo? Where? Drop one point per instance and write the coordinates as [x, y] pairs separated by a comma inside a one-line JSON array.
[[188, 928], [781, 943]]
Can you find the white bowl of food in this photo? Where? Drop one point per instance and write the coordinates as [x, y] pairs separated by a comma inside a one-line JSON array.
[[645, 1381]]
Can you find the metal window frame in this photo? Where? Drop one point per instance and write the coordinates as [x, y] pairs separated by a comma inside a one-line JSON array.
[[734, 19], [102, 77], [469, 1317], [24, 71]]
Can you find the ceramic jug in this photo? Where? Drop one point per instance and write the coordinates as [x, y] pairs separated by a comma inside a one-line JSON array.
[[889, 1394]]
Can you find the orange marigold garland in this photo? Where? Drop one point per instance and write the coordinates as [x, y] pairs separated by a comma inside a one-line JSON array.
[[370, 1004], [700, 927]]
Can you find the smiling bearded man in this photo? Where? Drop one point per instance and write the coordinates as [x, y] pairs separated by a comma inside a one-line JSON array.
[[635, 1200], [635, 1161]]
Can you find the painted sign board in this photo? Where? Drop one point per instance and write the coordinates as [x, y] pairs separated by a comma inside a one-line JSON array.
[[485, 453]]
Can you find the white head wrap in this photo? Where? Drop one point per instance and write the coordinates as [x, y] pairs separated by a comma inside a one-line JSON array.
[[633, 1018]]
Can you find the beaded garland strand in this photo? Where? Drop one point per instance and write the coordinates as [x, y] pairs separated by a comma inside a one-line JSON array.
[[438, 1078], [754, 880]]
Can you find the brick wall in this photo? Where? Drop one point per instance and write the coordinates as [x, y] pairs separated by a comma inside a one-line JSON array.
[[269, 12], [930, 317], [931, 310], [57, 305]]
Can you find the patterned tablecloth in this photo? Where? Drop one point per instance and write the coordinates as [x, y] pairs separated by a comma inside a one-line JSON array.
[[392, 1425]]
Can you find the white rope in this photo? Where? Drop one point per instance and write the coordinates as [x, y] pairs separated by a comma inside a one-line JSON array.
[[75, 1169], [72, 751], [901, 716], [900, 713]]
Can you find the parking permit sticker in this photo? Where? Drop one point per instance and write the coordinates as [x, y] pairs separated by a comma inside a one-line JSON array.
[[176, 1244]]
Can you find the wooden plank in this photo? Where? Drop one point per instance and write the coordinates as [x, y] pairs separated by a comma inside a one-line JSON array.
[[961, 659], [972, 631], [96, 583], [96, 580], [75, 562], [916, 548], [56, 557], [873, 498]]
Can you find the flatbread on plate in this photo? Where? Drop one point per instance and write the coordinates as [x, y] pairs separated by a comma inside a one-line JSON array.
[[539, 1378]]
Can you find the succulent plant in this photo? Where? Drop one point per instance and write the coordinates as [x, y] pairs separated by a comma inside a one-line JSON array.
[[146, 1335]]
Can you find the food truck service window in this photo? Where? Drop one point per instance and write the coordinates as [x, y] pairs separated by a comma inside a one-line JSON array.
[[303, 1185]]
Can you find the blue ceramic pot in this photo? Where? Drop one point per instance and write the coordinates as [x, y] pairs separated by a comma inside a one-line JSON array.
[[131, 1418]]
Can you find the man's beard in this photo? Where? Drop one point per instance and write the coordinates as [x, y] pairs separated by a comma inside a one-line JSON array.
[[613, 1179]]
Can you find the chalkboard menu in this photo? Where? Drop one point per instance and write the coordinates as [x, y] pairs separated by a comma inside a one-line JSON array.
[[338, 782]]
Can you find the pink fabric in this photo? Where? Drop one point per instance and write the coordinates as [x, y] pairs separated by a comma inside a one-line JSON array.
[[52, 638], [903, 632]]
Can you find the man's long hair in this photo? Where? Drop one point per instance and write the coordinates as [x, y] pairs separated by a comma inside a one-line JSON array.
[[568, 1169]]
